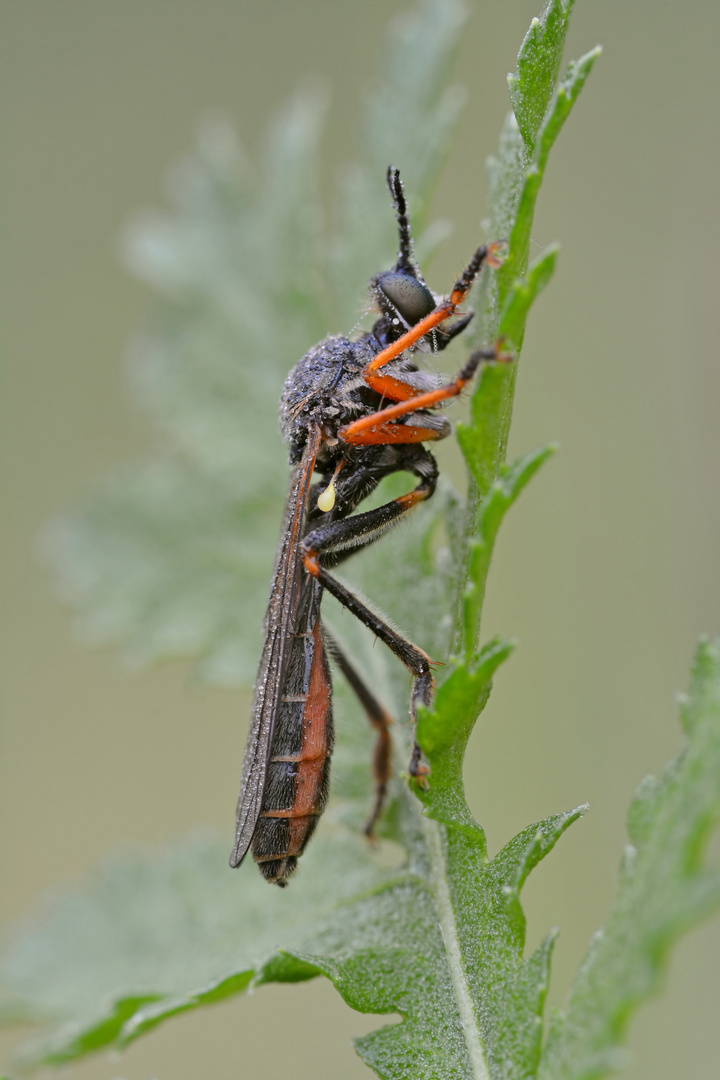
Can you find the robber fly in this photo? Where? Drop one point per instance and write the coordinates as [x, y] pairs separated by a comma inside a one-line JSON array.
[[354, 412]]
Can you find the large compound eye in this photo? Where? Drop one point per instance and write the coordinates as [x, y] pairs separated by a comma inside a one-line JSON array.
[[411, 299]]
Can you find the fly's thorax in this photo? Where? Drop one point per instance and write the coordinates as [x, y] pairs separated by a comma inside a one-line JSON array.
[[326, 389]]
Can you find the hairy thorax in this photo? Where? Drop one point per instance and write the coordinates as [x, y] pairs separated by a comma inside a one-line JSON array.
[[326, 388]]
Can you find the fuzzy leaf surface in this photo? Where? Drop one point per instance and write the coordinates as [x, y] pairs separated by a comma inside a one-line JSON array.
[[152, 935], [105, 968], [533, 83]]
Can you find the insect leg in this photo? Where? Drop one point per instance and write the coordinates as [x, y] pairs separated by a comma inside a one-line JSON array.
[[352, 534], [414, 659], [356, 532], [378, 718], [445, 336], [362, 431], [485, 253]]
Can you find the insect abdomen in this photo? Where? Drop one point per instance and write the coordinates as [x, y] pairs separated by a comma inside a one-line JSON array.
[[298, 773]]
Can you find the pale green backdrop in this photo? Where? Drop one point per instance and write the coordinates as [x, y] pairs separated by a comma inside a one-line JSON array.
[[606, 572]]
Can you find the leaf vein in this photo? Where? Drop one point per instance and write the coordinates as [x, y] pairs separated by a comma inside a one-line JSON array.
[[449, 931]]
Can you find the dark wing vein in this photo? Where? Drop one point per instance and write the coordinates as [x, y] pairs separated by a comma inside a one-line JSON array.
[[279, 626]]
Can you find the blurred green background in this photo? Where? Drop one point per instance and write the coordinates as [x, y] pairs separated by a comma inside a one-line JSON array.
[[607, 571]]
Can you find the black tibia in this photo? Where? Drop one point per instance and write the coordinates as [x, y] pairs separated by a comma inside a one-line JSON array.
[[380, 720], [330, 543], [415, 660], [354, 533], [349, 534]]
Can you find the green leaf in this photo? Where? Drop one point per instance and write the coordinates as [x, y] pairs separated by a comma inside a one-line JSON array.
[[515, 176], [403, 941], [492, 509], [523, 294], [446, 954], [443, 734], [665, 889], [532, 85], [153, 935], [564, 97], [516, 172]]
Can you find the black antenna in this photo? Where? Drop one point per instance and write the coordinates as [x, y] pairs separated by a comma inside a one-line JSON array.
[[405, 260]]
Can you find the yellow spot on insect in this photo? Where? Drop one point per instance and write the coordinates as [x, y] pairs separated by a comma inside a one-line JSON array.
[[326, 500]]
